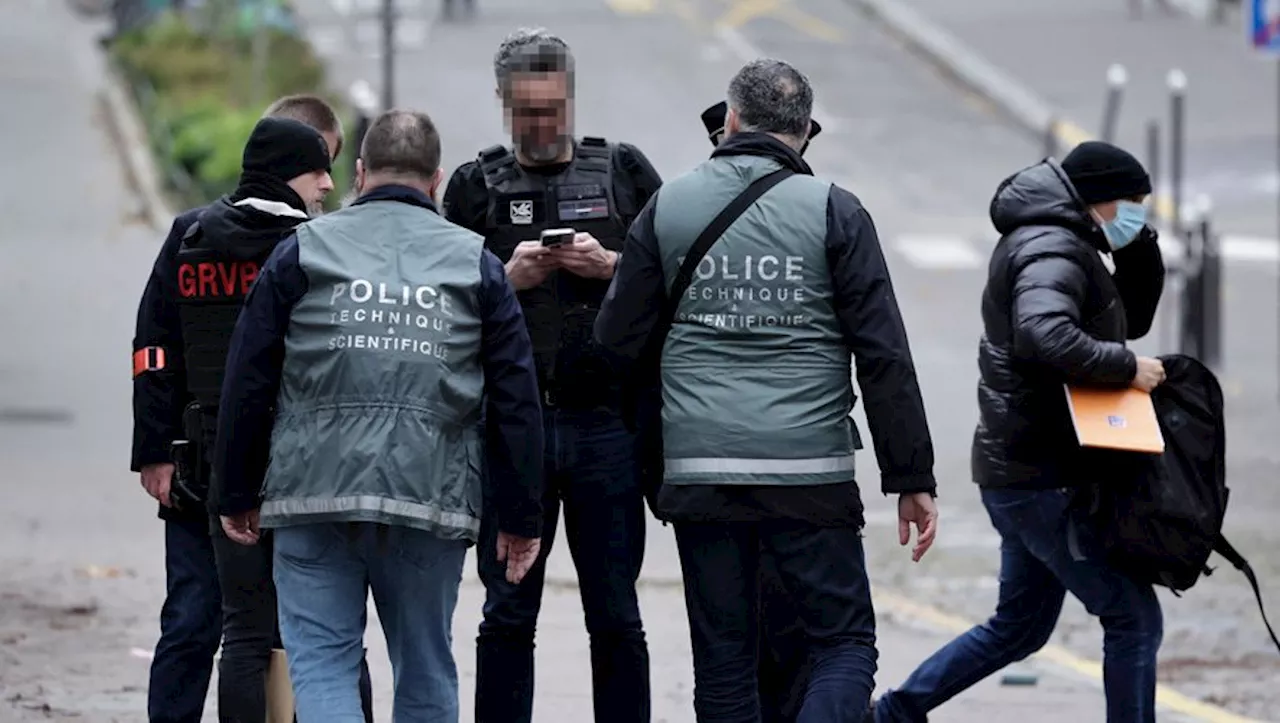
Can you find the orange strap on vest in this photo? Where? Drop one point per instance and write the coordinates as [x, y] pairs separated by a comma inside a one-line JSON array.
[[148, 359]]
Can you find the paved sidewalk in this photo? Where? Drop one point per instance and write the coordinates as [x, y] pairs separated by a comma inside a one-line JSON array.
[[1060, 52]]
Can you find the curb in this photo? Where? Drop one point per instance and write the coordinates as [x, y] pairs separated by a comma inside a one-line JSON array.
[[1011, 97], [951, 57], [131, 140]]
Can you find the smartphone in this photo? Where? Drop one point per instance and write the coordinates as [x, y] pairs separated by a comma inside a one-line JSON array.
[[557, 236]]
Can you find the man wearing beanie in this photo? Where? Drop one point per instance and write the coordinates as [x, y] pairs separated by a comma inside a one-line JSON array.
[[284, 178], [218, 591], [1054, 315]]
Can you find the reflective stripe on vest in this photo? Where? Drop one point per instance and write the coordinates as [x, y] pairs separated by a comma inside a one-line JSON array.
[[741, 465]]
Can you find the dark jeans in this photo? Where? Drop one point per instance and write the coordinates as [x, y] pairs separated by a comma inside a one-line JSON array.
[[591, 471], [823, 572], [1045, 553], [783, 669], [249, 630], [190, 624]]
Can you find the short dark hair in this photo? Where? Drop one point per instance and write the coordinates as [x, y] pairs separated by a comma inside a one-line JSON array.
[[402, 143], [532, 50], [309, 109], [771, 96]]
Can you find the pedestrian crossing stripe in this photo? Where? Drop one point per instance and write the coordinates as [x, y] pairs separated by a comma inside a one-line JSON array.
[[956, 252]]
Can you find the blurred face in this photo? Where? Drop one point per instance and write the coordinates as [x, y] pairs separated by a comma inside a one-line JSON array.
[[539, 114], [312, 188]]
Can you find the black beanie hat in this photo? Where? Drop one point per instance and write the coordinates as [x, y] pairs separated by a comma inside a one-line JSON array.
[[285, 149], [1102, 172]]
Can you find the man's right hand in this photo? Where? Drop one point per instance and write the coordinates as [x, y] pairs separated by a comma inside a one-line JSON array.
[[1150, 374], [519, 553], [157, 479], [529, 265], [922, 509]]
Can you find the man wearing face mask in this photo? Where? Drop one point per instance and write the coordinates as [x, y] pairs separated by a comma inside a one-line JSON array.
[[1053, 315], [548, 180]]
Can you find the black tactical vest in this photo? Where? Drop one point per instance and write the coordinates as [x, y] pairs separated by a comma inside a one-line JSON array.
[[212, 286], [561, 312]]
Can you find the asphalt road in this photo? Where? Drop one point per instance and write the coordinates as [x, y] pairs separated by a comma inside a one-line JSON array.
[[924, 157]]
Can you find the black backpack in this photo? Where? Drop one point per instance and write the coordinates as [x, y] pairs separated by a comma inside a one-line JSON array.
[[1161, 516]]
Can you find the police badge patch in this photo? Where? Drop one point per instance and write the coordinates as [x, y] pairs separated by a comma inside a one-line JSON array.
[[522, 213]]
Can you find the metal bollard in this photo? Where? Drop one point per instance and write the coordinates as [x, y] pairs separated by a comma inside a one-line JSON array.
[[1153, 153], [1201, 302], [1116, 79], [1211, 296], [1177, 142]]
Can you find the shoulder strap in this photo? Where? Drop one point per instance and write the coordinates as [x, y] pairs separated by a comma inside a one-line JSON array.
[[1224, 548], [708, 238]]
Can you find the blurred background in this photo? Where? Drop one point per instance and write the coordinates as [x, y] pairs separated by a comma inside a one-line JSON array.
[[115, 114]]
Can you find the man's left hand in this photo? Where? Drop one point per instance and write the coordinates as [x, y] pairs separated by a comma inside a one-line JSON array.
[[242, 528], [585, 257]]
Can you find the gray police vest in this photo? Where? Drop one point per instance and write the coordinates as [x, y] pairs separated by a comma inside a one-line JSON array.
[[756, 377], [379, 409], [560, 312]]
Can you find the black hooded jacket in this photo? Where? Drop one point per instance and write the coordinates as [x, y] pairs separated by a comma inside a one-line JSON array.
[[1052, 314]]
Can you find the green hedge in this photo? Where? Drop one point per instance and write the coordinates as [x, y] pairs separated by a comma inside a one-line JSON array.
[[195, 90]]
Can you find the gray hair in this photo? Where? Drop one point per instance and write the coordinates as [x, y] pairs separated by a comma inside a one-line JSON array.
[[771, 96], [402, 143], [532, 50]]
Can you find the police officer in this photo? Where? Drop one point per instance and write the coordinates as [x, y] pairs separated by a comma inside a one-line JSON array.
[[591, 189], [784, 659], [191, 620], [758, 444]]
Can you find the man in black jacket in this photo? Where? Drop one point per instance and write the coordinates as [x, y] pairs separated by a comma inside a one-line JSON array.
[[1054, 315], [758, 444], [546, 180], [192, 618]]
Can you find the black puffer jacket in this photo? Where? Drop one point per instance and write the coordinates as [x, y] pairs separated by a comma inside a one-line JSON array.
[[1053, 313]]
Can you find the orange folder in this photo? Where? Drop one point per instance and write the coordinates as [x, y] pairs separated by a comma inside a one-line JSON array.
[[1115, 419]]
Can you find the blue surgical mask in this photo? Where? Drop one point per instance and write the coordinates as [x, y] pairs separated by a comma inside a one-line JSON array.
[[1124, 228]]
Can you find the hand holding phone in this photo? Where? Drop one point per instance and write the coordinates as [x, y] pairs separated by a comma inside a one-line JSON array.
[[553, 237]]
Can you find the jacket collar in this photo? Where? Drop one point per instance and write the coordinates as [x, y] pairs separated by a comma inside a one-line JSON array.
[[765, 146], [403, 194]]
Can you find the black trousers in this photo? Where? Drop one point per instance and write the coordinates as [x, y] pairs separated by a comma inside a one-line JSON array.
[[823, 571], [250, 630]]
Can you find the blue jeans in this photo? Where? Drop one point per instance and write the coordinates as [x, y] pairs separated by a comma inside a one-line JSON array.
[[190, 624], [824, 573], [323, 575], [1044, 553], [591, 469]]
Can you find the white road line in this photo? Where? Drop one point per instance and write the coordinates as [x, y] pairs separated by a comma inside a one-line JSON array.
[[1234, 249], [939, 252]]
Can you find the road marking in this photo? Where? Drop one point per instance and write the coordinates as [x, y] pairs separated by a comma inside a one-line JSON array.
[[633, 7], [1059, 656], [744, 11], [939, 252]]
